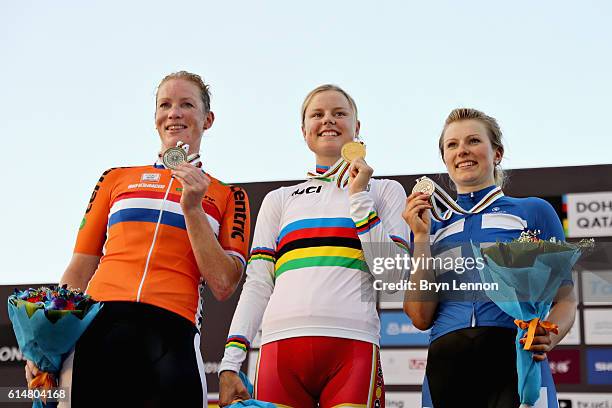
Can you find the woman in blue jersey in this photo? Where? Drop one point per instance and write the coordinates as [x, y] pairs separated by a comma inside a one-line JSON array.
[[309, 284], [472, 356]]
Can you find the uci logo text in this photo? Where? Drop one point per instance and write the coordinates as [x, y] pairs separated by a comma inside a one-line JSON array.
[[308, 190]]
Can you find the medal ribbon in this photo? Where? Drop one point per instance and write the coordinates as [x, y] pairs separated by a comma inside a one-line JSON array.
[[453, 207], [337, 173]]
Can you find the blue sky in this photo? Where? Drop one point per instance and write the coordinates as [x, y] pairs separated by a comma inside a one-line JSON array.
[[78, 84]]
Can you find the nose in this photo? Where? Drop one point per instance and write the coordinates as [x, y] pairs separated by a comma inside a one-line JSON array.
[[175, 112], [329, 119], [463, 149]]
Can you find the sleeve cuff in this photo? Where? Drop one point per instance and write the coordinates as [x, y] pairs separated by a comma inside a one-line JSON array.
[[229, 366]]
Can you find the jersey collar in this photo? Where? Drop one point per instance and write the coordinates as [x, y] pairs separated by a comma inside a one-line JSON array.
[[468, 199]]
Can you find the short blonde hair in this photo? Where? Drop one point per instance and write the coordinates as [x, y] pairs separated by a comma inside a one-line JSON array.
[[323, 88], [193, 78], [493, 131]]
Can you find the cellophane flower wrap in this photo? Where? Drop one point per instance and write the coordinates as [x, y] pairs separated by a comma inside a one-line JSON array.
[[528, 273], [47, 323]]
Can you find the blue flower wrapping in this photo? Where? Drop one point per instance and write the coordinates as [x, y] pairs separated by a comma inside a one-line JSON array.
[[526, 293], [44, 342], [250, 402]]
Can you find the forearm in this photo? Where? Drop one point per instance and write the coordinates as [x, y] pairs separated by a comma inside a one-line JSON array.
[[79, 271], [420, 304], [563, 314], [249, 313], [220, 271]]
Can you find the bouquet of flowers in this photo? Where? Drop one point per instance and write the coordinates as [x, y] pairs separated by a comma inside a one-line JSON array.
[[528, 272], [47, 323]]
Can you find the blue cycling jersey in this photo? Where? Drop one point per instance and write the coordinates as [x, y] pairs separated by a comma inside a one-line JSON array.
[[501, 221]]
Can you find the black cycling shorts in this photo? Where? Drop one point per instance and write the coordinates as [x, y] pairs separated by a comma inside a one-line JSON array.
[[138, 355], [474, 367]]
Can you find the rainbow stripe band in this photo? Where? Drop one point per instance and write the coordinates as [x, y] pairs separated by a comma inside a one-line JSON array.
[[320, 169], [400, 242], [319, 242], [237, 341], [263, 254], [367, 223]]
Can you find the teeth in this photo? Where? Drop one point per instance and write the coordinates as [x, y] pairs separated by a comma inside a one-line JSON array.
[[329, 133], [176, 127], [466, 164]]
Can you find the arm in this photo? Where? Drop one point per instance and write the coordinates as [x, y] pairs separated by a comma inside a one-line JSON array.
[[88, 247], [562, 314], [420, 305], [253, 301], [221, 271], [563, 311], [380, 228], [80, 270]]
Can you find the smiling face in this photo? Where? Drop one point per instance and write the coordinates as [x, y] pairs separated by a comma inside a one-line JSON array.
[[180, 114], [329, 123], [469, 155]]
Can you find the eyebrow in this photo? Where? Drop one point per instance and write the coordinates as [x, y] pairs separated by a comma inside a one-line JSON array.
[[336, 108]]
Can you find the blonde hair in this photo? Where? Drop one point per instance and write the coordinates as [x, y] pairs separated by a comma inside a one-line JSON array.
[[323, 88], [493, 131], [194, 79]]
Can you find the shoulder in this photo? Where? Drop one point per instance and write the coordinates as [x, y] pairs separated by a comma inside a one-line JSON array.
[[387, 187], [541, 216], [229, 191], [118, 172], [532, 205]]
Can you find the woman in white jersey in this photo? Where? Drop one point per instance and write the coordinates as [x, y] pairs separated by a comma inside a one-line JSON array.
[[309, 284]]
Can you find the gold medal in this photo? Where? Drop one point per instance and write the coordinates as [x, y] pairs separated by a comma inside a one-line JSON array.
[[424, 185], [353, 150], [173, 157]]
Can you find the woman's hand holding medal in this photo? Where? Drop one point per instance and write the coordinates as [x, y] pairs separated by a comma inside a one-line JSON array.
[[195, 185], [359, 171], [416, 214], [195, 182]]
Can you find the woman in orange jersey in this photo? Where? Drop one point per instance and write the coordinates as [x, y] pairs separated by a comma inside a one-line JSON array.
[[150, 238], [310, 277]]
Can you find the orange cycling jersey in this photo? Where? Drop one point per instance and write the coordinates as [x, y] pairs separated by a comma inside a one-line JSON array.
[[134, 221]]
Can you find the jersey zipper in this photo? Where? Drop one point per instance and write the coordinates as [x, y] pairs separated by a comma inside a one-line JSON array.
[[146, 268]]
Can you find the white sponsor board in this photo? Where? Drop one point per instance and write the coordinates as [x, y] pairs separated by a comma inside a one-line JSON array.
[[586, 400], [589, 215], [572, 337], [402, 399], [598, 326], [403, 367], [597, 287]]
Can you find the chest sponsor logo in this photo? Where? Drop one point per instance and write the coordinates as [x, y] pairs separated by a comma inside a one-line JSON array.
[[308, 190], [150, 177], [146, 185]]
